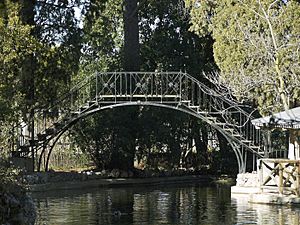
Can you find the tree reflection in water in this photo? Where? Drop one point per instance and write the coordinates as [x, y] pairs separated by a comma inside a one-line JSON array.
[[154, 205]]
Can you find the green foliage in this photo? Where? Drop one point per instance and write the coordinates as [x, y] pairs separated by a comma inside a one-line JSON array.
[[39, 53], [151, 136], [9, 179], [103, 37], [166, 43], [109, 138], [41, 57], [165, 139], [13, 199], [57, 59], [255, 43], [16, 45]]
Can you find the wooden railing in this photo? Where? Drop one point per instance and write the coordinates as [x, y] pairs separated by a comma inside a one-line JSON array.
[[280, 175]]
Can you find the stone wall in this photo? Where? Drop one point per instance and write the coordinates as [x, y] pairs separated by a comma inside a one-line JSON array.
[[16, 209], [247, 180]]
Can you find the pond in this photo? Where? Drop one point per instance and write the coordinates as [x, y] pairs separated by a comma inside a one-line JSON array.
[[153, 205]]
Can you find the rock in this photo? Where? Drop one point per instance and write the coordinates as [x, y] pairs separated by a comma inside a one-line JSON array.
[[32, 179], [105, 173], [168, 173], [13, 202], [150, 173], [42, 178], [98, 173], [18, 219], [89, 173], [247, 180], [17, 209], [130, 174], [84, 177], [29, 210], [115, 173], [123, 174]]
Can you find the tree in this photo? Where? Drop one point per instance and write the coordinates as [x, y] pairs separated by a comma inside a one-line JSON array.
[[256, 47], [103, 37], [165, 45], [16, 46], [131, 36], [59, 35], [108, 138], [39, 53], [46, 37]]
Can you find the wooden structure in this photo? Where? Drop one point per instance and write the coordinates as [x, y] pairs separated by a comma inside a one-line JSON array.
[[281, 174]]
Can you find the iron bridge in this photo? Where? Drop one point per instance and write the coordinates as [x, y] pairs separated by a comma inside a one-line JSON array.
[[174, 90]]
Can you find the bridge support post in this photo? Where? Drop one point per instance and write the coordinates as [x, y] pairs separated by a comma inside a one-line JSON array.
[[241, 159]]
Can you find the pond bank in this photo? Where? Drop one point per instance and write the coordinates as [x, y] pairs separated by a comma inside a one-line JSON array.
[[16, 206], [16, 209]]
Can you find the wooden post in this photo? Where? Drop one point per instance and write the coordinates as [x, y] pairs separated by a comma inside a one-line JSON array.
[[297, 178], [280, 186], [261, 176]]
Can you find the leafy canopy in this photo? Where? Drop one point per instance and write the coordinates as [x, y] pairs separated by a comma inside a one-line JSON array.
[[16, 44], [256, 47]]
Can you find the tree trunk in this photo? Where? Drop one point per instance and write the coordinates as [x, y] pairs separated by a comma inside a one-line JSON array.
[[27, 15], [131, 36]]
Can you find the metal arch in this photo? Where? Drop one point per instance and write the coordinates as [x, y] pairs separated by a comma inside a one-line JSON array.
[[168, 89], [238, 154]]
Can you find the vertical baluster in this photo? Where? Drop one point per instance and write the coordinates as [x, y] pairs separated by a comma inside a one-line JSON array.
[[162, 86], [89, 97], [167, 80], [125, 85], [180, 86], [115, 86], [130, 83], [199, 96], [192, 92], [240, 123], [120, 85], [96, 90], [151, 85]]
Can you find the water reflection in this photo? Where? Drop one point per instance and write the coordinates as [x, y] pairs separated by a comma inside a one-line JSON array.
[[247, 213], [153, 205]]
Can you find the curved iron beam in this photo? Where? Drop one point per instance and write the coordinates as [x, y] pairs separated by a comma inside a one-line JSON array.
[[184, 110]]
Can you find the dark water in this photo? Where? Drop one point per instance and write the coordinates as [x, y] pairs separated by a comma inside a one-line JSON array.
[[154, 205]]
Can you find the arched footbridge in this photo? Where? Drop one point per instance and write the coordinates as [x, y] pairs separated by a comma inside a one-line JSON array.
[[173, 90]]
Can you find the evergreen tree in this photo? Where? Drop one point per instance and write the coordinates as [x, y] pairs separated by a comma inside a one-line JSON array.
[[165, 44], [256, 47]]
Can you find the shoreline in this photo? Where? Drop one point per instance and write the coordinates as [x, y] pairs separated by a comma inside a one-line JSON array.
[[111, 182]]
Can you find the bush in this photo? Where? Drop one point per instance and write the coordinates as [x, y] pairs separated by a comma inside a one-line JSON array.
[[15, 206], [10, 179]]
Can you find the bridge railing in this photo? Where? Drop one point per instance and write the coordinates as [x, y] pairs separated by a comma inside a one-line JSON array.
[[231, 116]]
